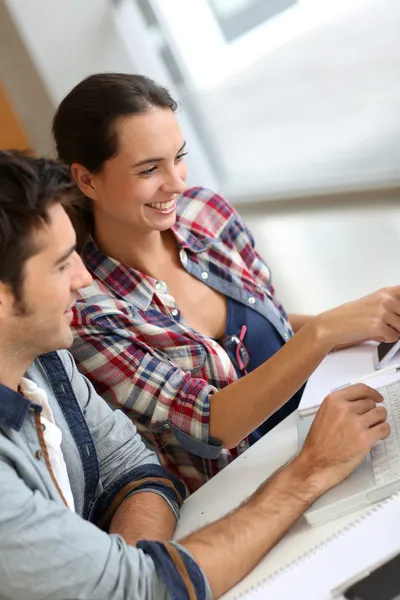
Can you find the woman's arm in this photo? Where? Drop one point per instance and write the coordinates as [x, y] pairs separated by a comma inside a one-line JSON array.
[[159, 393], [298, 321], [269, 386]]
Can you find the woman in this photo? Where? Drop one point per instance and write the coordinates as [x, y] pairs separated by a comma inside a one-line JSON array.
[[181, 327]]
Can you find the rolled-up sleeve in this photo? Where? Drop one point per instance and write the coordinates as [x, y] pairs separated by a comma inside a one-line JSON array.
[[49, 553], [126, 465], [155, 392]]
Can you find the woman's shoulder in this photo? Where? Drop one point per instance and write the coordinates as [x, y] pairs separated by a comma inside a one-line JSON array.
[[204, 211], [97, 299]]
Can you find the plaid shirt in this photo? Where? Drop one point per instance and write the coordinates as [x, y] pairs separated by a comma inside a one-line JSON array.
[[133, 343]]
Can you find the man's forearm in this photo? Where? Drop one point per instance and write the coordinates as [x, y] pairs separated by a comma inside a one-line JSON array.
[[246, 535], [144, 516]]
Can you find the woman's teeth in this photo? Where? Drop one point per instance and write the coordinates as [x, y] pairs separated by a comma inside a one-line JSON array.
[[162, 205]]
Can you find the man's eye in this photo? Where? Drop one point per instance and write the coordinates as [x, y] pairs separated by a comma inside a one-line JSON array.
[[64, 267]]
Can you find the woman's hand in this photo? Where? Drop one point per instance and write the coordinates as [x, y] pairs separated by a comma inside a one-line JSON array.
[[373, 317]]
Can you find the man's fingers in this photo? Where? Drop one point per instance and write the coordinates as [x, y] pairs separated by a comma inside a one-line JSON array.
[[359, 391], [375, 417], [363, 406], [378, 432]]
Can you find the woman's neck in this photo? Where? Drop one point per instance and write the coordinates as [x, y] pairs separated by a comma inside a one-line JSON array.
[[145, 252]]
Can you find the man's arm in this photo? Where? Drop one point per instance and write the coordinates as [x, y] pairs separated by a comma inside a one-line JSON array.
[[143, 517], [140, 499], [245, 536], [72, 557], [346, 427]]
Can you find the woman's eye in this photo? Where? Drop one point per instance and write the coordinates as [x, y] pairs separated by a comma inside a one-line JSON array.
[[180, 156], [148, 171]]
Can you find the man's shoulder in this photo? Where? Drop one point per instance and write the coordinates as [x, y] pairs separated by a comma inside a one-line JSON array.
[[45, 367], [49, 370], [204, 211]]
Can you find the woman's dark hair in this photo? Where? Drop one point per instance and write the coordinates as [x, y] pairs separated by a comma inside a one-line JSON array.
[[29, 186], [84, 126]]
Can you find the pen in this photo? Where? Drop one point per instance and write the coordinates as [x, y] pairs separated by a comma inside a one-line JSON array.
[[308, 412], [386, 371]]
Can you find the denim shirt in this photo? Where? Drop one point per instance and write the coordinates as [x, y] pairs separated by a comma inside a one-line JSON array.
[[49, 552]]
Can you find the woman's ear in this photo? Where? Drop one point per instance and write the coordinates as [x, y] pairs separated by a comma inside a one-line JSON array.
[[84, 180]]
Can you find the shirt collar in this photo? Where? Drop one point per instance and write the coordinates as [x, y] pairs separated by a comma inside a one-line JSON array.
[[13, 408], [129, 284], [186, 240]]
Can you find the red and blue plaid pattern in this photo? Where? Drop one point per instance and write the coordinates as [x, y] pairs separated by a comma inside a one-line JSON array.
[[134, 345]]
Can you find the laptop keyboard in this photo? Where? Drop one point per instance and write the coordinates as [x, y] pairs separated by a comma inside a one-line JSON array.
[[385, 454]]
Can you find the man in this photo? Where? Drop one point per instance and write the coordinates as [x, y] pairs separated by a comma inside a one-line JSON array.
[[78, 487]]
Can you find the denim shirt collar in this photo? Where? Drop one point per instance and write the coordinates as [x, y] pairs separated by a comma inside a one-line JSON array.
[[14, 407]]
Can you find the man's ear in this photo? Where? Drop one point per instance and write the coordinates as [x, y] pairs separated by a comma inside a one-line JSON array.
[[84, 180], [6, 301]]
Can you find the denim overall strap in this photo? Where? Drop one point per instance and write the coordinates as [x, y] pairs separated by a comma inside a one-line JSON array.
[[72, 412]]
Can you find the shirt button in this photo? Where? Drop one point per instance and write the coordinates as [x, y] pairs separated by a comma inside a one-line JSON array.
[[167, 426], [183, 257], [43, 427], [204, 275], [243, 444], [174, 312], [39, 454], [160, 285], [251, 300], [286, 336]]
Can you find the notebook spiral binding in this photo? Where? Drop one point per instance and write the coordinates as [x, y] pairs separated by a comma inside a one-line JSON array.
[[268, 581]]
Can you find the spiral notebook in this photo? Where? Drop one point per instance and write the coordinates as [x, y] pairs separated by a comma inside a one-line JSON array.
[[360, 545]]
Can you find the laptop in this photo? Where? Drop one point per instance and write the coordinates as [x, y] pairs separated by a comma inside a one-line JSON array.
[[376, 478]]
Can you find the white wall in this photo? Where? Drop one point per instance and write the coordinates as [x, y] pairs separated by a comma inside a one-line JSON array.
[[321, 112], [64, 41]]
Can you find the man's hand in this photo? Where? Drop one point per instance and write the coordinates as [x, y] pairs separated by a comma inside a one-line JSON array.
[[373, 317], [347, 425], [345, 428]]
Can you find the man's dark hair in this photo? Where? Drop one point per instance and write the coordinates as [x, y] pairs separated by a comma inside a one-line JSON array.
[[29, 186]]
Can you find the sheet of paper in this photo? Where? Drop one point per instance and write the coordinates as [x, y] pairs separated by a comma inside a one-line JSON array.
[[340, 368], [373, 539]]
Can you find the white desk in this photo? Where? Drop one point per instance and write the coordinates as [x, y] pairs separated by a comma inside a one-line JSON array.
[[235, 483]]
